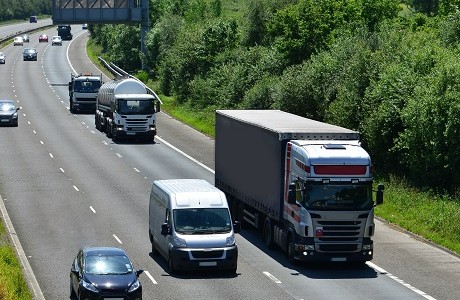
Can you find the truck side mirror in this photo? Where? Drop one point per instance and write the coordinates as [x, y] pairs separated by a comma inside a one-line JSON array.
[[165, 229], [379, 194], [70, 86], [236, 227], [291, 194], [157, 106]]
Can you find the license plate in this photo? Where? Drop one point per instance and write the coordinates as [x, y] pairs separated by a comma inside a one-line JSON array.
[[5, 120], [130, 133], [208, 264], [113, 298], [339, 259]]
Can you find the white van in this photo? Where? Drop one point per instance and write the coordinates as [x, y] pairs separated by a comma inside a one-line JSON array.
[[191, 227]]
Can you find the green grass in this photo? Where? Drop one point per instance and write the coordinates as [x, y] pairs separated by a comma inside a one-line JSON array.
[[12, 283], [431, 216]]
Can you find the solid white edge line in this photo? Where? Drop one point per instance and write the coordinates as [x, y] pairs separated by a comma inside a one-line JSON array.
[[26, 268], [185, 154], [150, 277], [400, 281]]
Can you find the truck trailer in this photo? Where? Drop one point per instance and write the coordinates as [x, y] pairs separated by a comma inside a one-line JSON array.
[[305, 184], [65, 32], [83, 89], [124, 109]]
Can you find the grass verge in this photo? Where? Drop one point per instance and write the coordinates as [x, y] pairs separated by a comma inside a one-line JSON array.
[[12, 283]]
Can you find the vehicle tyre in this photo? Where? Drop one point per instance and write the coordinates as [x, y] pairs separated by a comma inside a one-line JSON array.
[[154, 249], [171, 266], [240, 215], [72, 292], [291, 251], [268, 234], [108, 129], [71, 109]]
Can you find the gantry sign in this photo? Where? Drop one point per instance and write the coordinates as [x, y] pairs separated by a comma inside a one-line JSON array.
[[103, 12], [98, 11]]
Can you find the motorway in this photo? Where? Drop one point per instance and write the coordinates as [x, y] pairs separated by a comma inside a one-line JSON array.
[[65, 185]]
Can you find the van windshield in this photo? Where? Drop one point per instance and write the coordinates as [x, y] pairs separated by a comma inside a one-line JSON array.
[[202, 220]]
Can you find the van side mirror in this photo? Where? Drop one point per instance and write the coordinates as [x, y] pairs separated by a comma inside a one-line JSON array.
[[236, 227], [292, 194], [379, 194], [70, 85], [165, 229]]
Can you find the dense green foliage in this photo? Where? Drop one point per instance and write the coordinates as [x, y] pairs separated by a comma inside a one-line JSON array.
[[18, 9], [386, 68]]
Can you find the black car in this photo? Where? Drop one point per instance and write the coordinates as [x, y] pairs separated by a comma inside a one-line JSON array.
[[30, 54], [104, 272], [8, 113]]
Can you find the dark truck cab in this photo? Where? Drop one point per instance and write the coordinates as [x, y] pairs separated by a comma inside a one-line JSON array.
[[64, 31]]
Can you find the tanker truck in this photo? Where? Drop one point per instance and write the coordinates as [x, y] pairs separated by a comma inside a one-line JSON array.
[[306, 185], [125, 110]]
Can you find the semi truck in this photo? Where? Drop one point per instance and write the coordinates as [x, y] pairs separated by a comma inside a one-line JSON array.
[[307, 185], [83, 89], [64, 31], [125, 109]]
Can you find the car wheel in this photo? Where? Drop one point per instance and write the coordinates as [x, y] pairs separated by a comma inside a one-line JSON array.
[[16, 124], [72, 292]]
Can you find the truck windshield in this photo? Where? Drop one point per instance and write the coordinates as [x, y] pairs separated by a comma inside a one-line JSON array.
[[202, 220], [87, 86], [338, 196], [136, 107]]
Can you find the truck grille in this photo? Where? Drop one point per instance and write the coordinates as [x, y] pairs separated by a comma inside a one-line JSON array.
[[339, 236], [136, 125]]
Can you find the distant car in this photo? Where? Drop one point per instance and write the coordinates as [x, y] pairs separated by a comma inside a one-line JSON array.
[[56, 40], [84, 26], [25, 38], [30, 54], [43, 38], [103, 273], [2, 58], [33, 19], [18, 41], [8, 113]]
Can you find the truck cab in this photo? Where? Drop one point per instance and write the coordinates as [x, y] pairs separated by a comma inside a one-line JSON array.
[[83, 90]]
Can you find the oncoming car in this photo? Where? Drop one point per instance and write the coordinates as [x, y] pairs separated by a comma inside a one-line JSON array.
[[18, 41], [2, 58], [103, 273], [8, 113], [56, 40], [30, 54]]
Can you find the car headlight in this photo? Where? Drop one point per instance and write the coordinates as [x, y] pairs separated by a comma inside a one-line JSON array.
[[180, 243], [134, 286], [230, 241], [89, 286]]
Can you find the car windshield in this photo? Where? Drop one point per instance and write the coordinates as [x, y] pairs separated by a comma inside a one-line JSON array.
[[29, 51], [202, 220], [108, 265], [7, 106], [136, 107], [335, 196]]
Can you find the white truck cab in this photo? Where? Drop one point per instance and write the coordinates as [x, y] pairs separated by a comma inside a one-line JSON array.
[[191, 227]]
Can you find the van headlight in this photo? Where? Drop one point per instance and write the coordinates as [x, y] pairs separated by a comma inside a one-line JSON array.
[[230, 241], [179, 243]]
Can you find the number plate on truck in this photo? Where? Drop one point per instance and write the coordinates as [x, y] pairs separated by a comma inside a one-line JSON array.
[[338, 259], [207, 264]]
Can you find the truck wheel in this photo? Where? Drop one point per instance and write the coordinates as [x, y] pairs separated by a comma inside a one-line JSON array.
[[268, 234], [108, 129], [291, 251]]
